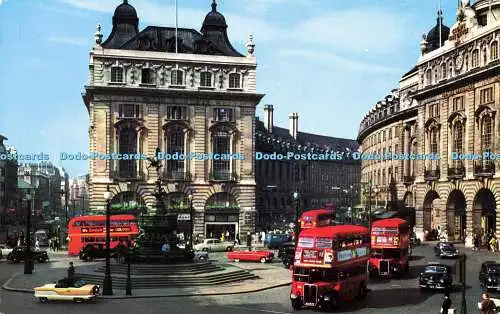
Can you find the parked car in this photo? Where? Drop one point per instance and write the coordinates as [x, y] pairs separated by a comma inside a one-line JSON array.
[[251, 256], [275, 241], [287, 253], [201, 256], [214, 245], [446, 249], [19, 254], [489, 275], [67, 289], [4, 250], [436, 276], [92, 251]]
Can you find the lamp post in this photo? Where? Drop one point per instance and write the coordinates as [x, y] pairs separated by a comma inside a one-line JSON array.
[[28, 263], [65, 193], [297, 217], [191, 221], [128, 287], [370, 207], [463, 307], [108, 289]]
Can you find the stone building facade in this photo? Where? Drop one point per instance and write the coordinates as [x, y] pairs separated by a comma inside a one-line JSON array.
[[444, 117], [184, 92], [317, 182]]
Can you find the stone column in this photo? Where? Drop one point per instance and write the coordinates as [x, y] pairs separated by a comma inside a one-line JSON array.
[[407, 149], [469, 224], [419, 222]]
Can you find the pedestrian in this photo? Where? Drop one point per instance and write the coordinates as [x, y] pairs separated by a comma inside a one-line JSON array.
[[445, 307], [51, 245], [493, 244], [37, 245], [164, 250], [487, 306], [71, 271]]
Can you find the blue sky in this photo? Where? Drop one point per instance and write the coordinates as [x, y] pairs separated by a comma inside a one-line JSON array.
[[329, 60]]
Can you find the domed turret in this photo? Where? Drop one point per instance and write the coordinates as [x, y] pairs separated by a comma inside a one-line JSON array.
[[214, 21], [438, 34], [125, 26]]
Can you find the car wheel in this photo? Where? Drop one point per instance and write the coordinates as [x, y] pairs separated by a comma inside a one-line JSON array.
[[229, 249], [236, 260], [43, 300], [78, 300], [263, 260]]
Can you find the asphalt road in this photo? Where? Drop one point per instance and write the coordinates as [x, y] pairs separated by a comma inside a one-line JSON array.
[[395, 296]]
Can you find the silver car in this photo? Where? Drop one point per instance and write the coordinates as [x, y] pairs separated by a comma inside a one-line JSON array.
[[214, 245]]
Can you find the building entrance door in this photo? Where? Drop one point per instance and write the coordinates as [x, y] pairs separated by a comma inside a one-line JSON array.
[[215, 230]]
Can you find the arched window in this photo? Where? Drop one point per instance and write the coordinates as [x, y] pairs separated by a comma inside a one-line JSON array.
[[116, 74], [494, 50], [475, 58], [206, 79], [175, 144], [221, 144], [147, 76], [486, 133], [458, 135], [177, 77], [127, 145], [234, 80]]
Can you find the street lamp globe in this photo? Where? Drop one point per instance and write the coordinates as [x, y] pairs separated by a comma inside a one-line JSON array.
[[108, 195], [190, 197], [295, 195]]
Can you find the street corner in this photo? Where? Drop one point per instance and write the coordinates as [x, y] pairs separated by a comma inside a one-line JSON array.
[[20, 282]]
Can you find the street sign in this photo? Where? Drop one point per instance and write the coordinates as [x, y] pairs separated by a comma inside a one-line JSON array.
[[184, 217]]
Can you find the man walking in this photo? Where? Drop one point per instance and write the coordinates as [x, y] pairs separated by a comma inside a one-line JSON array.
[[487, 306], [71, 271], [445, 307], [164, 250]]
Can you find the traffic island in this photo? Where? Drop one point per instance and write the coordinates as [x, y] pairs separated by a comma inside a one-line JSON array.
[[229, 281]]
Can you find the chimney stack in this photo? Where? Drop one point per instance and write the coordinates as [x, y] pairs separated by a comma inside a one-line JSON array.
[[268, 117], [294, 124]]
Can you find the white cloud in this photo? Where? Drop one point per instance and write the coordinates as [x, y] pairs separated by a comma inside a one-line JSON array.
[[70, 41], [338, 62], [2, 1]]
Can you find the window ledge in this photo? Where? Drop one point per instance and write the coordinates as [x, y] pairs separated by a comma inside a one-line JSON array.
[[222, 121], [177, 86], [235, 89], [206, 88], [147, 84], [116, 83]]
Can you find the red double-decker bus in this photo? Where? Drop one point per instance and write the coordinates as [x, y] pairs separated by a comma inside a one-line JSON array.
[[84, 230], [330, 266], [390, 247], [317, 218]]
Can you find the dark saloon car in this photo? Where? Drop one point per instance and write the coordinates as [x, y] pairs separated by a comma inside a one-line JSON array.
[[436, 276], [19, 254], [287, 253], [489, 275], [92, 251], [446, 249]]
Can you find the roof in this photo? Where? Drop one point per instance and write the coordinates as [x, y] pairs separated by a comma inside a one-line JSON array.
[[391, 222], [317, 212], [333, 231], [413, 70]]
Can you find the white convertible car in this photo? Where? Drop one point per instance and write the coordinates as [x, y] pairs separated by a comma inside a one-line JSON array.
[[67, 289]]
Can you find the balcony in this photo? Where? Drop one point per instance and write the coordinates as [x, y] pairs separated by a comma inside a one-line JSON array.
[[128, 175], [456, 171], [431, 174], [176, 176], [484, 168], [407, 180], [222, 175]]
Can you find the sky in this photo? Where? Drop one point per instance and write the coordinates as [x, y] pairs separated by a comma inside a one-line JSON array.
[[328, 60]]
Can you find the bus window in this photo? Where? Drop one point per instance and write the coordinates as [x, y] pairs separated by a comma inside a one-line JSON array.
[[114, 239], [123, 239], [100, 239]]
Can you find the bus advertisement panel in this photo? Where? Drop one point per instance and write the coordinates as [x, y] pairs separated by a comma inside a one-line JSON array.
[[390, 247], [330, 266], [85, 230]]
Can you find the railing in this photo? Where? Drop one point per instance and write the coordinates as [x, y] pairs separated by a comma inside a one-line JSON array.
[[408, 179], [176, 176], [431, 174], [456, 171], [222, 176], [484, 168], [127, 174]]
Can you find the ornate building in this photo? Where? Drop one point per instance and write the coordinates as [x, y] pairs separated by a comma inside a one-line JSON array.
[[184, 92], [318, 182], [444, 117]]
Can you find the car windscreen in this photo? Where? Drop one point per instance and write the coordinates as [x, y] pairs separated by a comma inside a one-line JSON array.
[[494, 269], [435, 270], [448, 246], [79, 284]]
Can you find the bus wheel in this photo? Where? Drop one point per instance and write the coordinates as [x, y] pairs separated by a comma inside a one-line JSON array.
[[297, 304], [329, 306]]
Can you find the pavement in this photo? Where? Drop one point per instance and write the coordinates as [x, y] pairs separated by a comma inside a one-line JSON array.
[[271, 276]]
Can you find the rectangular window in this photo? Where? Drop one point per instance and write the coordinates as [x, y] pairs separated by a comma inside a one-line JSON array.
[[147, 76], [494, 51], [396, 131], [482, 20], [223, 114], [486, 96], [177, 78], [176, 113], [458, 103], [117, 75], [475, 58], [433, 110], [206, 79], [129, 111], [384, 135], [234, 80]]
